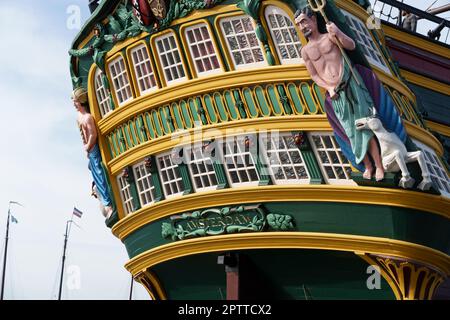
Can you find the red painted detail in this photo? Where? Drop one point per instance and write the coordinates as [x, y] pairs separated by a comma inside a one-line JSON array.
[[420, 61], [232, 285], [144, 15]]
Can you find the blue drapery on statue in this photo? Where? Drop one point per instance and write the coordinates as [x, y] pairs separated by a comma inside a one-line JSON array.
[[95, 166]]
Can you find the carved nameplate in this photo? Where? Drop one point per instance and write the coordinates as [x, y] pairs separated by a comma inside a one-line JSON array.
[[225, 220]]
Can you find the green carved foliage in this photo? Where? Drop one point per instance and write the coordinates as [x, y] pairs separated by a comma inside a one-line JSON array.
[[250, 7], [281, 222]]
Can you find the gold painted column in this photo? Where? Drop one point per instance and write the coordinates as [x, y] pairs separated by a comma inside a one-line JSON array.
[[151, 284], [409, 280]]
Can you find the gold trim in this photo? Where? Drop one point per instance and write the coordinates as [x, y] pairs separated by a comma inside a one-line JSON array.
[[440, 128], [391, 282], [186, 46], [426, 82], [403, 277], [179, 91], [281, 123], [283, 193], [290, 240], [416, 41], [153, 287], [166, 142], [424, 136], [394, 83]]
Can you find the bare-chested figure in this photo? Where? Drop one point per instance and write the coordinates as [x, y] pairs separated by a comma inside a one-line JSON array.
[[350, 101], [89, 135]]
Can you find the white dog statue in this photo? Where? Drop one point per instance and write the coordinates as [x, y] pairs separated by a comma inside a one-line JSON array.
[[394, 154]]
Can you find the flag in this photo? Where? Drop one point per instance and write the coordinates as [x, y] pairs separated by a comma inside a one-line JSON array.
[[15, 202], [77, 212], [14, 220]]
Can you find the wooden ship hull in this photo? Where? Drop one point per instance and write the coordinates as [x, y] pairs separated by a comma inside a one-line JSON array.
[[227, 180]]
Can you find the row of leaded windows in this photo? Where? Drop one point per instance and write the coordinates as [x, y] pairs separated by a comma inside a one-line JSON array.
[[237, 154], [244, 48]]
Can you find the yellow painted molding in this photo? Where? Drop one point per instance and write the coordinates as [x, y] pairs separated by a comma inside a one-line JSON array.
[[167, 142], [426, 82], [424, 136], [440, 128], [290, 240], [394, 83], [416, 41], [194, 87], [282, 193], [281, 123]]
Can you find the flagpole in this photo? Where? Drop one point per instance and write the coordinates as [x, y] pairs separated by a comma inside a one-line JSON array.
[[131, 288], [6, 252], [66, 236]]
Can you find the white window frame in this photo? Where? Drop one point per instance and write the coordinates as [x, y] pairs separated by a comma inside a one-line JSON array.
[[120, 80], [230, 157], [373, 47], [144, 67], [125, 194], [169, 182], [138, 169], [275, 156], [197, 43], [188, 152], [245, 33], [273, 10], [434, 164], [102, 95], [342, 164], [172, 52]]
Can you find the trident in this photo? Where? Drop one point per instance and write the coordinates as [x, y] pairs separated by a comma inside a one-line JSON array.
[[317, 6]]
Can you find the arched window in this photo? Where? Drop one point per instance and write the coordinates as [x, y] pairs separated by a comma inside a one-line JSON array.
[[125, 194], [242, 43], [284, 35], [145, 76], [104, 104], [120, 80], [170, 58], [144, 183], [365, 41], [334, 165], [202, 49]]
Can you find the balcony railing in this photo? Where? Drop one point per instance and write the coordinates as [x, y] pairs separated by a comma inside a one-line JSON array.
[[419, 22]]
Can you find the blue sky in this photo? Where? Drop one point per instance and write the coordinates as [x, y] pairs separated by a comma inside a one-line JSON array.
[[44, 166]]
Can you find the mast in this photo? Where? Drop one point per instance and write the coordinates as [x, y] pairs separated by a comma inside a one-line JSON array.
[[66, 236], [131, 289], [5, 253]]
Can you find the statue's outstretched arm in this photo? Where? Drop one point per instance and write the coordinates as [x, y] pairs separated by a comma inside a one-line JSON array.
[[336, 34]]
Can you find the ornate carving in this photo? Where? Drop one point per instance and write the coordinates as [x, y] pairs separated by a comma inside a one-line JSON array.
[[251, 8], [410, 280], [224, 221]]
